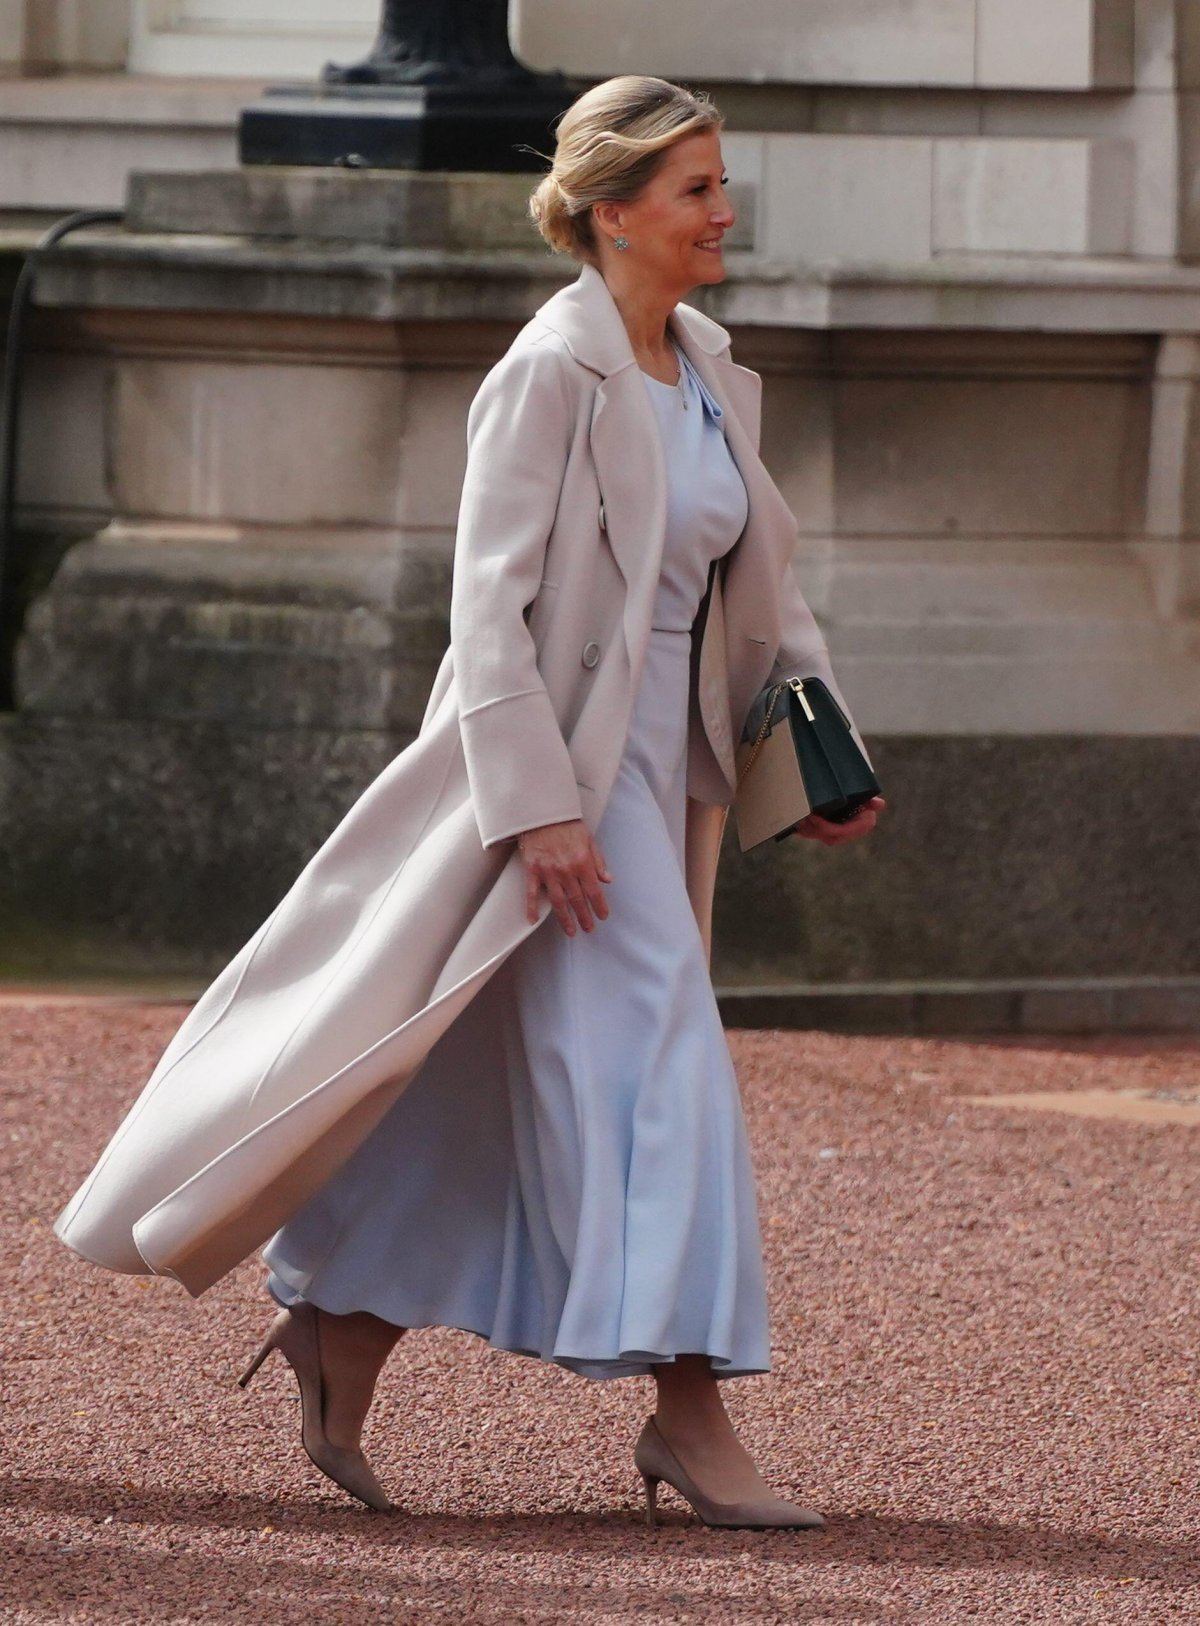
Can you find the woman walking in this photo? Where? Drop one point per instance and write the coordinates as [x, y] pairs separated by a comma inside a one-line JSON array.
[[434, 1103]]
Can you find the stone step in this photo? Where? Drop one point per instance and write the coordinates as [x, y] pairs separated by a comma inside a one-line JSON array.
[[922, 694], [254, 633], [981, 549], [1033, 1006], [1093, 587], [71, 142], [297, 50], [465, 211], [1113, 637]]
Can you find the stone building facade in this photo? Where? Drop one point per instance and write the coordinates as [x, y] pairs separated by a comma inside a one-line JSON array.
[[964, 264]]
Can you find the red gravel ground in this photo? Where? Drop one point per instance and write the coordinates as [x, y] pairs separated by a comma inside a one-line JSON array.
[[985, 1343]]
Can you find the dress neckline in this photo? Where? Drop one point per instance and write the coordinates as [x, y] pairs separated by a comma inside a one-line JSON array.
[[683, 387], [689, 388], [683, 372]]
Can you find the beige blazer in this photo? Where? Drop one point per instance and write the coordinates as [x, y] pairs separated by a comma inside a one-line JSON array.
[[303, 1042]]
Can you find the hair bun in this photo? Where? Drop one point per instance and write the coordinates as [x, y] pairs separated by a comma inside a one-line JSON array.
[[609, 143]]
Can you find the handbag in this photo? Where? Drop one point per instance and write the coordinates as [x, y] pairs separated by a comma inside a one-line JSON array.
[[797, 755]]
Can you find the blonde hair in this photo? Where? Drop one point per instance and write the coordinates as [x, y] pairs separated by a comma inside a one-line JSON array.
[[608, 145]]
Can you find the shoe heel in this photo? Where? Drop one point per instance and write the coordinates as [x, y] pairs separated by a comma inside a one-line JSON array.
[[267, 1346], [651, 1483]]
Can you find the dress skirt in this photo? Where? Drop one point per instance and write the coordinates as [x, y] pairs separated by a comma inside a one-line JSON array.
[[568, 1174]]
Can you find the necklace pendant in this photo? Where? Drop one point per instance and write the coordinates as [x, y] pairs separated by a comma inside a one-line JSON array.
[[681, 381]]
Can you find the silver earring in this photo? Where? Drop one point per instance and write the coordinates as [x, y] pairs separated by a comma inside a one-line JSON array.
[[620, 242]]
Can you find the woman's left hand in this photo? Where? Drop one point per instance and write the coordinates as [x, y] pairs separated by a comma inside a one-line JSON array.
[[815, 828]]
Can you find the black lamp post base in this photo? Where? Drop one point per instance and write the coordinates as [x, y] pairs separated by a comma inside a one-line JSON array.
[[419, 127]]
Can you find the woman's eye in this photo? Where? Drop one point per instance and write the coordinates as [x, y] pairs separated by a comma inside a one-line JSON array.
[[703, 187]]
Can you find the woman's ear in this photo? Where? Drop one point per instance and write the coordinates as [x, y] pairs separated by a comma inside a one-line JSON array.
[[608, 218]]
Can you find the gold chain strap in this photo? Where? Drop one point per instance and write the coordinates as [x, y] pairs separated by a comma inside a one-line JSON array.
[[762, 733]]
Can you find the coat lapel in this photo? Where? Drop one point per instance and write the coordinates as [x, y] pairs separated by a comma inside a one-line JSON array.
[[770, 523], [750, 574], [625, 441], [627, 452]]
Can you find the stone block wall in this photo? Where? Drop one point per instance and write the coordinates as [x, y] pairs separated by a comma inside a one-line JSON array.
[[961, 266], [44, 36], [271, 448], [1022, 44]]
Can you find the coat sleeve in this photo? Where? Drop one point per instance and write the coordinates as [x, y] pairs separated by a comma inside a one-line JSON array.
[[803, 652], [519, 431]]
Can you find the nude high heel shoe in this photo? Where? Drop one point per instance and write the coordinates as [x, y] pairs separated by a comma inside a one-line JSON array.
[[656, 1461], [294, 1333]]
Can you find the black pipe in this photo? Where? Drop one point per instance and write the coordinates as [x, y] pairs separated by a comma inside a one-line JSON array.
[[10, 394]]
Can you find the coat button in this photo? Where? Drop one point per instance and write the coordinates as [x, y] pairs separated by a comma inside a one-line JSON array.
[[591, 653]]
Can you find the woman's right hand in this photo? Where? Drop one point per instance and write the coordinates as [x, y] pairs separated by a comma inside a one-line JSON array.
[[813, 827], [565, 859]]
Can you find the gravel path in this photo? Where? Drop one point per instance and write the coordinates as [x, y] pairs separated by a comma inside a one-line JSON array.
[[985, 1343]]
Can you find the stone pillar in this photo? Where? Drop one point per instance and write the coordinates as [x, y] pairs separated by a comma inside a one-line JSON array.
[[1171, 549], [247, 38], [1187, 75], [12, 35], [42, 36]]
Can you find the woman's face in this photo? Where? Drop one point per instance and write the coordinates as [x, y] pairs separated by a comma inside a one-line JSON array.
[[675, 226]]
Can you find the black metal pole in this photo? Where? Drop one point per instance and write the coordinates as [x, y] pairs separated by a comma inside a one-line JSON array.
[[10, 395], [437, 42], [440, 89]]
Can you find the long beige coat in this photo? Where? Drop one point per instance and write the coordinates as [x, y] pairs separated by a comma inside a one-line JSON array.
[[301, 1044]]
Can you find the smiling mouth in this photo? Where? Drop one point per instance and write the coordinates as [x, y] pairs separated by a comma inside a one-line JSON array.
[[710, 243]]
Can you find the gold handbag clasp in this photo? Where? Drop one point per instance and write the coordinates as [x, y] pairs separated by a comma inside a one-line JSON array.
[[797, 685]]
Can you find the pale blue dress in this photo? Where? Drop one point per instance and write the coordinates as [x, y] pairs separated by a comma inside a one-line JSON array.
[[568, 1174]]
